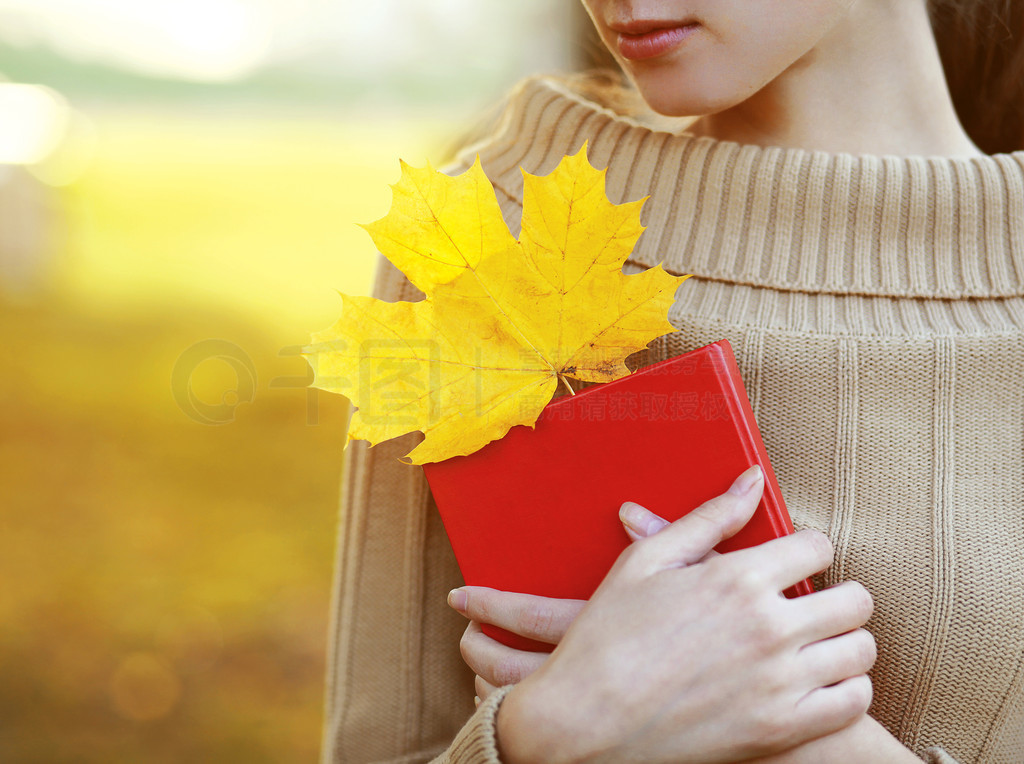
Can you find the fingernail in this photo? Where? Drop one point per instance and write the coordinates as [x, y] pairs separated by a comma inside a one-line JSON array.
[[747, 481], [476, 699], [457, 599], [640, 520], [634, 516]]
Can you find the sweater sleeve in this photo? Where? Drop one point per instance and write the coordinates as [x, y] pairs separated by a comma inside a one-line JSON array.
[[938, 756], [477, 741], [397, 688]]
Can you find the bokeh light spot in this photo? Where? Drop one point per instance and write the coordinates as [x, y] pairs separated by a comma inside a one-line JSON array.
[[34, 122], [144, 688]]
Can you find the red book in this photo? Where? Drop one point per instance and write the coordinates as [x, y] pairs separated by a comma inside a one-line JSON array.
[[537, 511]]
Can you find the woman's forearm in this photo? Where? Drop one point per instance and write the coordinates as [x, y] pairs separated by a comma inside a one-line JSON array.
[[865, 740]]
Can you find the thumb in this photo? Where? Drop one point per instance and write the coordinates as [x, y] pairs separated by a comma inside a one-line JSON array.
[[691, 538], [639, 522]]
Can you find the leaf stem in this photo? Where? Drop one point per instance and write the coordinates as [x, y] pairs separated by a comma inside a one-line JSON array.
[[567, 386]]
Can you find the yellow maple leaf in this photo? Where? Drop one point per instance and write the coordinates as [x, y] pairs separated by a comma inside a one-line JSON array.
[[503, 319]]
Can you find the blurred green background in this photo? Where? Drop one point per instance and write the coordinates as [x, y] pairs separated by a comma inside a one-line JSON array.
[[180, 185]]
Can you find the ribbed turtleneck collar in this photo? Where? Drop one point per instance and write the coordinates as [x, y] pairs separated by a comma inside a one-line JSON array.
[[786, 219]]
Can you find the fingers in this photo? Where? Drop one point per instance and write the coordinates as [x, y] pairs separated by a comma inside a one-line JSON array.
[[689, 539], [785, 561], [483, 688], [544, 619], [832, 660], [836, 610], [640, 522], [829, 709], [493, 662]]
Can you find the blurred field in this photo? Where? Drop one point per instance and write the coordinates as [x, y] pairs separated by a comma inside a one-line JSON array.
[[260, 216], [164, 584]]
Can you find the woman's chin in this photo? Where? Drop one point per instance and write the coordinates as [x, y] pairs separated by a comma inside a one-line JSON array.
[[676, 102], [691, 91]]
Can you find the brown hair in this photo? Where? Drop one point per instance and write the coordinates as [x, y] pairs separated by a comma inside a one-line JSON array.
[[981, 43], [982, 47]]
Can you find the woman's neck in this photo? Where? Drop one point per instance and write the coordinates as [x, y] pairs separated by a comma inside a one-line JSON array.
[[872, 85]]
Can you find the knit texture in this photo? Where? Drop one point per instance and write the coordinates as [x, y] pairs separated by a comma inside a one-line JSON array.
[[875, 307]]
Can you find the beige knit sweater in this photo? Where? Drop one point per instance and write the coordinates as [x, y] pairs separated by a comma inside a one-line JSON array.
[[875, 306]]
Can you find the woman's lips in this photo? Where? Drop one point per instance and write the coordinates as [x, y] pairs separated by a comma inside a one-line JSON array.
[[653, 43]]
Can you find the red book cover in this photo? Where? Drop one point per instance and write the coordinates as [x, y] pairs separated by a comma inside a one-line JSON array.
[[537, 511]]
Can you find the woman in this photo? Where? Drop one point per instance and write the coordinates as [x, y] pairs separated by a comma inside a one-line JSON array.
[[874, 298]]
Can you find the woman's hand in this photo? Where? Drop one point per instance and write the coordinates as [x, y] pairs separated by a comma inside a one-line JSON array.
[[680, 651], [543, 619]]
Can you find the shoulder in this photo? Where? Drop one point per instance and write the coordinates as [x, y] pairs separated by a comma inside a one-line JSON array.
[[546, 117], [547, 110], [585, 95]]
